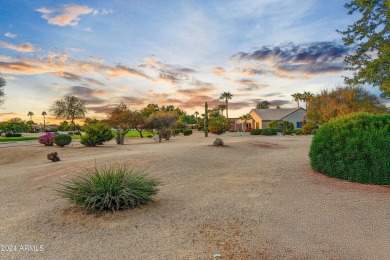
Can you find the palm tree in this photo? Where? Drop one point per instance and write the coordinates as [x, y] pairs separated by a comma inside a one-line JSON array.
[[44, 114], [226, 96], [30, 114], [263, 104], [221, 107], [245, 117], [70, 107], [306, 97], [196, 115], [297, 97]]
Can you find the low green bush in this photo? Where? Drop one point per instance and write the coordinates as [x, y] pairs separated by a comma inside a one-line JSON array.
[[109, 189], [96, 134], [187, 132], [256, 132], [61, 140], [298, 132], [355, 147], [269, 131], [70, 133], [13, 135]]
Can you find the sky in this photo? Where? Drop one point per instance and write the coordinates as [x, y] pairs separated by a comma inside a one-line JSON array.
[[181, 53]]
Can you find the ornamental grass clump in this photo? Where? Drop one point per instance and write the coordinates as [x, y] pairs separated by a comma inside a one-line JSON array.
[[355, 147], [110, 189], [47, 139]]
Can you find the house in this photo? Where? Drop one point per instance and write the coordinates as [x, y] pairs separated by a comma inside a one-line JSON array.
[[261, 117]]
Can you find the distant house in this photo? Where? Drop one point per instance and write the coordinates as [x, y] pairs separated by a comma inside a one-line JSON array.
[[261, 118]]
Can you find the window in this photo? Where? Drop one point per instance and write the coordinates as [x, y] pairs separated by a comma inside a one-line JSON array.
[[299, 124]]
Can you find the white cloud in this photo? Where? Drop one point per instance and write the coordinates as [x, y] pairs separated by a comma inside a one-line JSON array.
[[10, 35], [88, 29], [26, 47], [65, 15], [105, 11]]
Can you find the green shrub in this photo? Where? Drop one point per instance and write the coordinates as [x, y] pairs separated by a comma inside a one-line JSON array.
[[286, 127], [354, 147], [218, 125], [269, 131], [96, 134], [308, 128], [62, 140], [187, 132], [13, 135], [167, 133], [70, 133], [109, 189], [256, 132], [273, 124], [298, 132], [218, 142]]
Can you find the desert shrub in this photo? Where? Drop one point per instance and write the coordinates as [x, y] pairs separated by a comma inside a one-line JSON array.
[[218, 125], [269, 131], [286, 127], [47, 139], [200, 128], [256, 131], [176, 131], [298, 132], [96, 134], [70, 133], [314, 131], [354, 147], [109, 189], [307, 128], [272, 124], [218, 142], [13, 135], [187, 132], [62, 140]]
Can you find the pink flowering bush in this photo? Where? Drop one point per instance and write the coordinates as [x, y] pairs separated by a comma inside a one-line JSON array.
[[47, 139]]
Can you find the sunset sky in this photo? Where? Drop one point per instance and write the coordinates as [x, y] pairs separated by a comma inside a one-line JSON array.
[[180, 53]]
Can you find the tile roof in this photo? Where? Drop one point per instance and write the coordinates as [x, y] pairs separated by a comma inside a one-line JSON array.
[[275, 114]]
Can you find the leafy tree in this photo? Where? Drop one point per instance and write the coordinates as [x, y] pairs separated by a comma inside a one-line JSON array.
[[272, 124], [96, 134], [3, 83], [370, 38], [306, 96], [139, 120], [70, 107], [64, 126], [215, 113], [264, 104], [121, 120], [342, 101], [218, 125], [221, 107], [162, 121], [226, 96], [286, 127], [15, 125], [44, 114], [30, 114]]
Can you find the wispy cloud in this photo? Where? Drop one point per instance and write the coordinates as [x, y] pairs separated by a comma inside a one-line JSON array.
[[310, 58], [10, 35], [26, 47], [87, 94], [64, 15]]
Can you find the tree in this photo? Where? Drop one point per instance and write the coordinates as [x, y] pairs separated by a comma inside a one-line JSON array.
[[263, 104], [30, 114], [297, 97], [245, 117], [306, 96], [3, 82], [277, 107], [218, 125], [70, 107], [226, 96], [139, 120], [121, 120], [221, 108], [370, 38], [196, 115], [44, 114], [162, 121], [342, 101]]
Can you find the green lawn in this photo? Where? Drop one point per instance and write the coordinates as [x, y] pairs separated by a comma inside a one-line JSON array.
[[16, 139], [134, 133]]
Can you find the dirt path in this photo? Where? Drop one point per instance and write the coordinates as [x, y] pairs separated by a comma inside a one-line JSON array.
[[257, 198]]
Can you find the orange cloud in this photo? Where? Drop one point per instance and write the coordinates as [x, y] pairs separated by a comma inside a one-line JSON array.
[[26, 47], [65, 15]]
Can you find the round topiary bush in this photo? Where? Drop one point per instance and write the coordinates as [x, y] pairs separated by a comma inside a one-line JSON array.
[[109, 189], [61, 140], [187, 132], [355, 147]]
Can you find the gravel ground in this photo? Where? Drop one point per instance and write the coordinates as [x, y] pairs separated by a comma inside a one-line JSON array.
[[256, 198]]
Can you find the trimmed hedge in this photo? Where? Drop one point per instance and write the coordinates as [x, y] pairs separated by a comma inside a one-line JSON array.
[[61, 140], [13, 135], [355, 147], [269, 131], [187, 132], [255, 132]]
